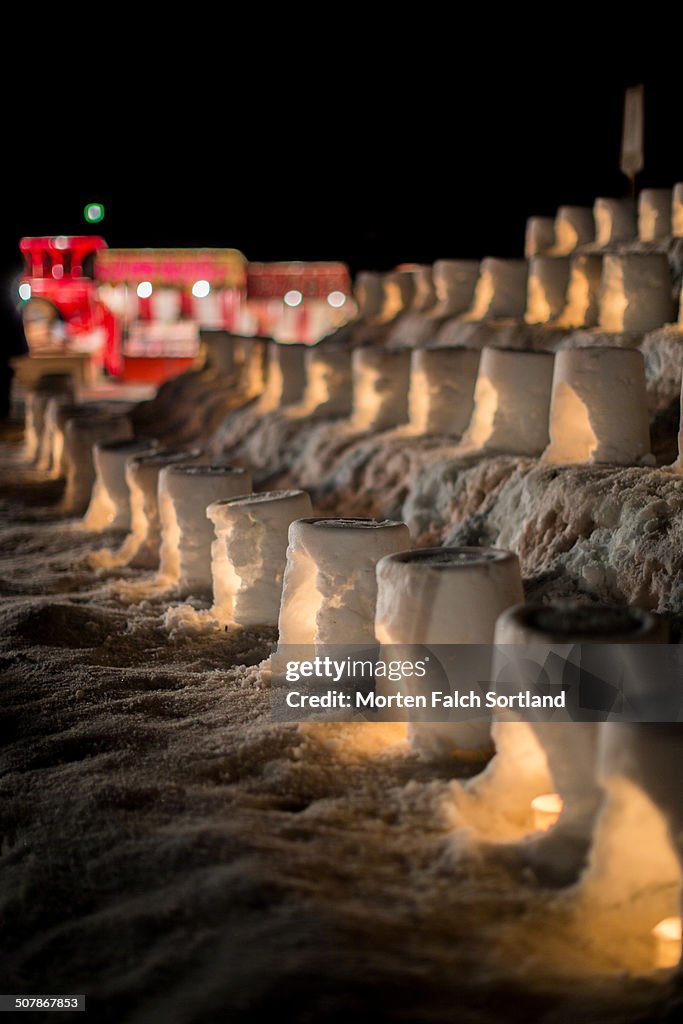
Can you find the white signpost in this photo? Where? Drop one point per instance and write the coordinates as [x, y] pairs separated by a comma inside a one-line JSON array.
[[632, 142]]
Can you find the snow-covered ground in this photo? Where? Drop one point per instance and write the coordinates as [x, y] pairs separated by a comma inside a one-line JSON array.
[[175, 854]]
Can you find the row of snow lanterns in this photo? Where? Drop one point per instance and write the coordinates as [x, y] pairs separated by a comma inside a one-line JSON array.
[[547, 807], [567, 407], [609, 290], [271, 562], [658, 214], [184, 543], [192, 519]]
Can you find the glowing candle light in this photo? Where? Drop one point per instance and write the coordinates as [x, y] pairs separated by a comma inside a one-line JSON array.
[[368, 292], [547, 809], [574, 226], [37, 400], [141, 545], [381, 379], [583, 292], [185, 492], [286, 379], [218, 348], [58, 412], [546, 288], [667, 935], [329, 385], [454, 282], [45, 448], [654, 213], [500, 290], [677, 211], [110, 500], [249, 554], [445, 596], [539, 236], [511, 402], [80, 435], [591, 389], [399, 290], [635, 292], [556, 758], [441, 396], [330, 589], [615, 220], [250, 355]]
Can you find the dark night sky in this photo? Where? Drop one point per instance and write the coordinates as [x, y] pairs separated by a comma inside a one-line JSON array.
[[324, 165]]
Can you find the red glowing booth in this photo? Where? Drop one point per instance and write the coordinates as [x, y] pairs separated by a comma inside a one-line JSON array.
[[298, 302], [163, 297], [62, 312], [137, 313]]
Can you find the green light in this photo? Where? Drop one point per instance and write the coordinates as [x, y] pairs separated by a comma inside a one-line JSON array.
[[93, 213]]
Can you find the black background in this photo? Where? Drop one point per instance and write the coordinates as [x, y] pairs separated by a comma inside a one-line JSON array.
[[355, 151]]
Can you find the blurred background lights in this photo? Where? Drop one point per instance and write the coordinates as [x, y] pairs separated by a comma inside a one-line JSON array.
[[25, 291], [336, 299], [93, 213], [58, 271], [200, 289], [293, 297], [144, 289], [61, 242]]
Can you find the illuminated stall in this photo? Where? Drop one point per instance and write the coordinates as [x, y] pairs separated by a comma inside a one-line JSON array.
[[162, 298], [298, 302], [135, 313], [67, 327]]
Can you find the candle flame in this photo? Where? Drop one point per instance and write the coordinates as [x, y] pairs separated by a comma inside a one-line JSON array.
[[668, 942], [669, 929], [546, 809]]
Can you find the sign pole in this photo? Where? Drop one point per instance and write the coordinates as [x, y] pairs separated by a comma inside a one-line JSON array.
[[632, 140]]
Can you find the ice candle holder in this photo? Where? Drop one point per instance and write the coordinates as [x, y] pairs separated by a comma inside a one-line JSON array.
[[185, 492], [249, 554]]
